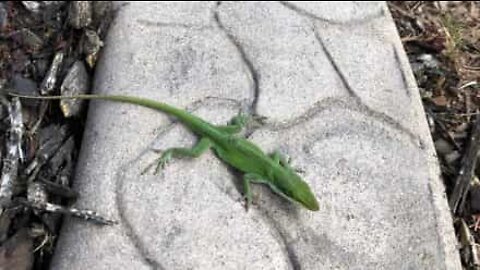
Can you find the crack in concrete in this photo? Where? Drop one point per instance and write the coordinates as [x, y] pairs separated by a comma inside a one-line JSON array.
[[281, 236], [254, 75], [371, 112], [350, 104], [175, 25], [324, 246], [312, 16], [288, 249], [129, 230], [342, 77]]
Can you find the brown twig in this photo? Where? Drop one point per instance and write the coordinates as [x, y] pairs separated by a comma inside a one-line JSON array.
[[462, 183], [443, 128]]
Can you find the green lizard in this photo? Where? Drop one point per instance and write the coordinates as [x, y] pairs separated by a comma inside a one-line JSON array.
[[272, 170]]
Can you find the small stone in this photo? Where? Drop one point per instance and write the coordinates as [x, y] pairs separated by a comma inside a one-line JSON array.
[[32, 40], [41, 67], [24, 86], [475, 199], [462, 127], [32, 6], [452, 157], [443, 147], [91, 47], [53, 4], [101, 10], [43, 7], [17, 252], [76, 82], [51, 9], [80, 14], [3, 16], [460, 135], [440, 101], [429, 61], [50, 81]]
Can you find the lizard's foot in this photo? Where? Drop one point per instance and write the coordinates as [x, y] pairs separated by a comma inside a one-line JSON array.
[[257, 121], [203, 145], [297, 170], [160, 163], [247, 199], [260, 119], [240, 120]]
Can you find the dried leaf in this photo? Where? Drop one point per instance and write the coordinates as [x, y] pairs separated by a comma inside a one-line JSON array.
[[440, 101], [16, 253]]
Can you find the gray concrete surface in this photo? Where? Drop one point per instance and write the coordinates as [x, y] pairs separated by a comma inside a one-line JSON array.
[[340, 98]]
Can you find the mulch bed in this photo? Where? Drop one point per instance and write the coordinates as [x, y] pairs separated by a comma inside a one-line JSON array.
[[442, 42], [46, 48]]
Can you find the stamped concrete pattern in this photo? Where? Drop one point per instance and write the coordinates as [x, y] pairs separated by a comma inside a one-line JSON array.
[[339, 97]]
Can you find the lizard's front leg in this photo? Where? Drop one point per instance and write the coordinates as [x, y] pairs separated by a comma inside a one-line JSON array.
[[203, 145], [235, 125], [277, 157]]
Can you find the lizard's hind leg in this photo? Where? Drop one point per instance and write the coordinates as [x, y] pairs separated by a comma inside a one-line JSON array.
[[203, 145], [247, 180]]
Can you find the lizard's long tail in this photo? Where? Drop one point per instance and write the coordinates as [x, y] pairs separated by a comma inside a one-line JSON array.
[[182, 115]]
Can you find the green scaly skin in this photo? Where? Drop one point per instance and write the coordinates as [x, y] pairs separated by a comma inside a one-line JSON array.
[[238, 152]]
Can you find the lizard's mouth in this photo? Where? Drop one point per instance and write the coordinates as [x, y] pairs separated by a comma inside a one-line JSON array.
[[311, 203], [307, 199]]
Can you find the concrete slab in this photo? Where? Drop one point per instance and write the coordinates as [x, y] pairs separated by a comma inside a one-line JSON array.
[[340, 98]]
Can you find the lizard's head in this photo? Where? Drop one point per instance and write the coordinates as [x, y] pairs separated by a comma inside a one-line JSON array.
[[296, 189]]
